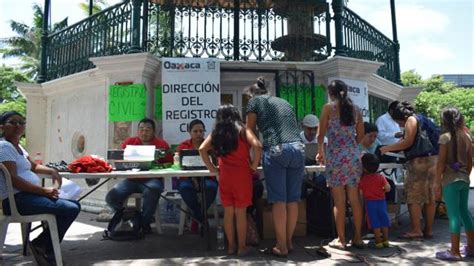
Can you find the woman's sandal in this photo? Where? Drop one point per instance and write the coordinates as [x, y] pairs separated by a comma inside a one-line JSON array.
[[447, 255], [360, 245], [337, 244], [274, 251], [409, 237], [427, 236]]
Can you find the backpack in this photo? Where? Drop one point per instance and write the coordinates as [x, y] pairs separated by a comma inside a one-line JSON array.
[[114, 231], [432, 130]]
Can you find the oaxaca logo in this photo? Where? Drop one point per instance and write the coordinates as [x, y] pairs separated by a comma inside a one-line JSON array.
[[181, 66]]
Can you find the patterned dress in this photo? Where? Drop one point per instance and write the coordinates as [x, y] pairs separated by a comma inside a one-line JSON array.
[[343, 165]]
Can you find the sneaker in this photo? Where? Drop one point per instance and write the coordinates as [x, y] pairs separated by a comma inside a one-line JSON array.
[[374, 245], [466, 253], [447, 255], [386, 244]]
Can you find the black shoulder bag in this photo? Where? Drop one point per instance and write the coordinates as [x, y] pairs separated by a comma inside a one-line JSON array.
[[421, 146]]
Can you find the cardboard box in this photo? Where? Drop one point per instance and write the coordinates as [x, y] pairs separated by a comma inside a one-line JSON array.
[[268, 231]]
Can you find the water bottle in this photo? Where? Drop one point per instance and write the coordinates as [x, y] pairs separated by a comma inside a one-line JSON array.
[[220, 238], [176, 160], [38, 159]]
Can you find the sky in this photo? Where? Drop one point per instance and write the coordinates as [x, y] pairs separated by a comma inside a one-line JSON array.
[[435, 36]]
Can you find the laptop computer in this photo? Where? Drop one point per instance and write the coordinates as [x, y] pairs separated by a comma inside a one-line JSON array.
[[191, 160], [310, 150]]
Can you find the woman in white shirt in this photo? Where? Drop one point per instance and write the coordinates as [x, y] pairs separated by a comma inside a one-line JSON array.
[[31, 198]]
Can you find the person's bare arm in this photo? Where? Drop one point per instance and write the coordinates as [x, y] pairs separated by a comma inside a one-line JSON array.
[[359, 127], [386, 187], [440, 166], [323, 126], [251, 121], [204, 152], [469, 160], [256, 147], [41, 169], [411, 128], [22, 185]]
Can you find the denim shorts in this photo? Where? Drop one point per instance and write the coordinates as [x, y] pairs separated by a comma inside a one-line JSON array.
[[283, 166]]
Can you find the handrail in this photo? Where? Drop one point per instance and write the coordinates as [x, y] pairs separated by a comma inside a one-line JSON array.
[[364, 41], [92, 17]]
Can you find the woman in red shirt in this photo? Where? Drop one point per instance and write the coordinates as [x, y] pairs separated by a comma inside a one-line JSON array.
[[188, 187]]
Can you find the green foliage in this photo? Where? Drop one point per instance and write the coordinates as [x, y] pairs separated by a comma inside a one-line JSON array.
[[27, 44], [411, 78], [97, 6], [432, 103], [19, 106], [8, 90], [435, 83]]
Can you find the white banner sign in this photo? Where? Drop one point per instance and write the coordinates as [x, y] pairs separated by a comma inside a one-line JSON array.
[[191, 90], [359, 93]]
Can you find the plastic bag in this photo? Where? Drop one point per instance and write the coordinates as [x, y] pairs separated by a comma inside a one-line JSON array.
[[69, 190]]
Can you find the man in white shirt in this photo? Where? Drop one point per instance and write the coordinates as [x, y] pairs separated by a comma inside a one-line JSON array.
[[389, 130], [310, 128]]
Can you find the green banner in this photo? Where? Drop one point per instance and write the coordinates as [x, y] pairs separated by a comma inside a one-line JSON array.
[[127, 102], [158, 103]]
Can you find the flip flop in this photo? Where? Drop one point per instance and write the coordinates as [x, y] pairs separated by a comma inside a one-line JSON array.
[[249, 251], [409, 237], [426, 236], [447, 255], [337, 244], [466, 253], [271, 251]]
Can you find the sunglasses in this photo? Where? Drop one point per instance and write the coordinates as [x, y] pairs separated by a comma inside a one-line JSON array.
[[16, 123]]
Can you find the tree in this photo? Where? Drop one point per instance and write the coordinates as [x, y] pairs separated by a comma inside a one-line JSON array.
[[97, 6], [437, 83], [411, 78], [27, 45], [8, 91], [431, 103], [434, 83]]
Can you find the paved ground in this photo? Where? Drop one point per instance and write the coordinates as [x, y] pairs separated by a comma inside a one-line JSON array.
[[83, 246]]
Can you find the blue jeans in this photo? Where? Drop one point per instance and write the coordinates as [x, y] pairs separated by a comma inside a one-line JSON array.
[[189, 194], [151, 190], [283, 166], [65, 211]]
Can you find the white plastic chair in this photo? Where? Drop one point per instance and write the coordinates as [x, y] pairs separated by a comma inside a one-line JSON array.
[[138, 205], [16, 217]]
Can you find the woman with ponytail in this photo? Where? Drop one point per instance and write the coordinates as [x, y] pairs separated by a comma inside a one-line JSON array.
[[231, 142], [452, 175], [283, 160], [420, 172], [342, 122]]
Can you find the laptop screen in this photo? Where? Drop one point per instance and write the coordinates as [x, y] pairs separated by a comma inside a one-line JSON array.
[[310, 150]]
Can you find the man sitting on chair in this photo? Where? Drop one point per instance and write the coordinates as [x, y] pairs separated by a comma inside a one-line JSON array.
[[150, 188]]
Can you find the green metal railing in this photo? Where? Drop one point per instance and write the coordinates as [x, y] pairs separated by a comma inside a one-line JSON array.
[[105, 33], [234, 32], [362, 40]]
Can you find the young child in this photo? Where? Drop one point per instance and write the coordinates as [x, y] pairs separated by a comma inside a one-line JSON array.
[[374, 186], [231, 142], [452, 174]]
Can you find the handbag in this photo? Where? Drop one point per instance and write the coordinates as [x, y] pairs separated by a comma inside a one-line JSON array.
[[422, 145], [252, 238]]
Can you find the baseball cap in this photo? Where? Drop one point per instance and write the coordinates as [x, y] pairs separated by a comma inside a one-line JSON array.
[[310, 121]]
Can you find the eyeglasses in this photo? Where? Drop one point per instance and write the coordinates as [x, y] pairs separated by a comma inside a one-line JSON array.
[[16, 123]]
